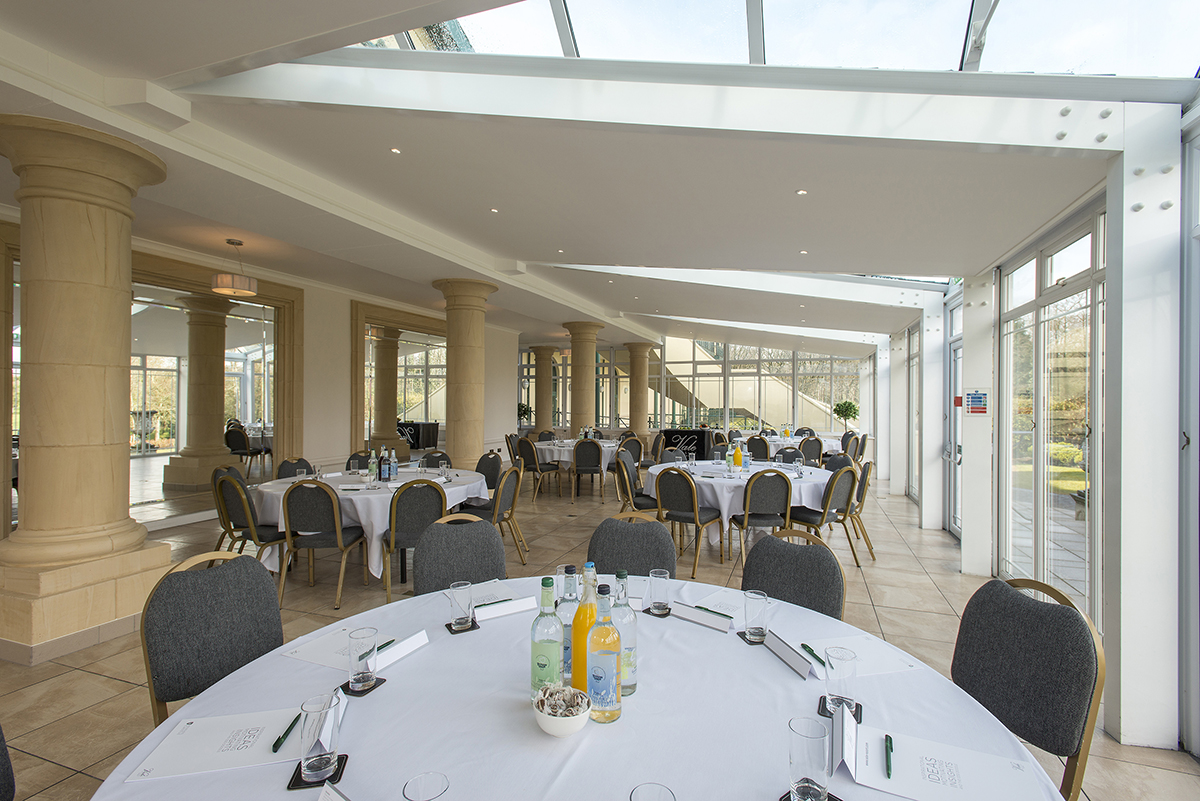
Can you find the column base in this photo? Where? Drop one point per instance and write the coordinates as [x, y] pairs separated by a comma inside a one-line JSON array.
[[191, 473], [52, 611]]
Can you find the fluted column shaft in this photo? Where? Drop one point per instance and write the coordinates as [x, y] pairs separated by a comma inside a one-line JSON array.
[[583, 373], [465, 361], [383, 427], [543, 404], [639, 387]]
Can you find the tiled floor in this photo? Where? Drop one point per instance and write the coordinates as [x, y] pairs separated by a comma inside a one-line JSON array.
[[70, 722]]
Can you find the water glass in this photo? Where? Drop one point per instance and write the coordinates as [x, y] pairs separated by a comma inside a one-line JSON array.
[[443, 470], [426, 787], [691, 463], [651, 791], [362, 654], [808, 760], [841, 666], [659, 586], [560, 582], [301, 474], [462, 606], [756, 615], [318, 472], [318, 737]]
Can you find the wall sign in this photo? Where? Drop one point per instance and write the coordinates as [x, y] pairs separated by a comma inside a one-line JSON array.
[[975, 401]]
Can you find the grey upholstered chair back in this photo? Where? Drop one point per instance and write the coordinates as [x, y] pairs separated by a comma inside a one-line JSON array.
[[675, 491], [625, 488], [1032, 664], [768, 493], [768, 432], [846, 437], [436, 459], [545, 436], [840, 489], [528, 455], [491, 465], [288, 468], [734, 434], [217, 475], [862, 448], [506, 495], [358, 461], [719, 438], [587, 455], [415, 505], [810, 448], [718, 451], [236, 502], [8, 782], [837, 462], [805, 575], [627, 434], [237, 441], [790, 455], [625, 458], [634, 446], [805, 431], [635, 546], [310, 508], [450, 552], [864, 482], [758, 447], [656, 447], [511, 441], [851, 448], [201, 625]]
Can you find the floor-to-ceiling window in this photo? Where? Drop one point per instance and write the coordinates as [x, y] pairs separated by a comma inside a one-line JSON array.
[[954, 317], [1051, 412], [914, 412]]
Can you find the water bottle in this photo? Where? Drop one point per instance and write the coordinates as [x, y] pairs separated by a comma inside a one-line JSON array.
[[372, 468]]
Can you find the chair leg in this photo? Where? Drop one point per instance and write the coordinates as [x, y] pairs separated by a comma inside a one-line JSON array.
[[850, 540], [337, 603], [742, 540], [512, 521], [696, 560], [387, 575], [366, 574], [513, 533], [574, 480], [312, 574], [284, 557], [403, 565], [859, 526]]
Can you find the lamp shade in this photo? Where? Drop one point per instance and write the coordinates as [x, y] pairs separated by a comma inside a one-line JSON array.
[[234, 285]]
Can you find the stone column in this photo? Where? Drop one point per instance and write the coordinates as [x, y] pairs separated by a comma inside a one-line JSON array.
[[583, 374], [543, 403], [204, 448], [465, 305], [383, 426], [639, 388], [75, 569]]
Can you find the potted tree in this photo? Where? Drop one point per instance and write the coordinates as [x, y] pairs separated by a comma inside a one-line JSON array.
[[524, 411], [846, 411]]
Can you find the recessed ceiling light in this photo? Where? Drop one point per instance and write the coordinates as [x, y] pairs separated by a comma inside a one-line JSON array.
[[801, 191], [610, 280], [396, 150], [560, 251], [802, 305], [495, 211], [635, 297], [802, 253]]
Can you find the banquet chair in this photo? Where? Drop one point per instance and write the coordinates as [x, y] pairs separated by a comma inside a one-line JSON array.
[[288, 467], [846, 437], [511, 441], [358, 460], [222, 517], [233, 422], [532, 464], [628, 434], [629, 485], [862, 449], [805, 431], [806, 575], [734, 434], [586, 462], [414, 506], [758, 448], [501, 509], [634, 447], [852, 449], [1038, 666], [458, 547], [545, 436], [436, 459], [491, 465], [670, 455], [678, 503], [8, 781], [768, 432], [655, 452], [719, 438], [837, 462], [198, 626], [790, 455], [238, 443], [810, 448], [634, 542], [312, 518], [860, 498], [718, 451], [237, 514], [768, 503], [836, 500]]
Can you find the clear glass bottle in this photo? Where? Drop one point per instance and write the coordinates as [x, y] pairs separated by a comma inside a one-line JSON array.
[[604, 662], [737, 459], [373, 467], [547, 643], [566, 613], [581, 626], [625, 619]]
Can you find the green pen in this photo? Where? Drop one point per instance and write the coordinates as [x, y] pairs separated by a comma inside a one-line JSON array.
[[812, 653], [279, 741], [887, 746], [367, 654], [715, 612]]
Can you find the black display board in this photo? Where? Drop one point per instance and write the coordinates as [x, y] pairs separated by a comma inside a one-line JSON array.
[[689, 440], [420, 436]]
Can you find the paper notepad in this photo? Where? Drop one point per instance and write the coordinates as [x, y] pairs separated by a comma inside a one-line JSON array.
[[200, 745], [875, 657]]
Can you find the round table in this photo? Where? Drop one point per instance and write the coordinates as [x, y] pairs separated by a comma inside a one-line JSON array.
[[563, 451], [364, 507], [715, 490], [776, 444], [709, 718]]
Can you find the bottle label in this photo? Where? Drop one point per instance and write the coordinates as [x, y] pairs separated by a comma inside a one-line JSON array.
[[566, 653], [628, 666], [545, 666], [604, 685]]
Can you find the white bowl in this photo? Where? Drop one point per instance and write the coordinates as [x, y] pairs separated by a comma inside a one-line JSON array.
[[562, 727]]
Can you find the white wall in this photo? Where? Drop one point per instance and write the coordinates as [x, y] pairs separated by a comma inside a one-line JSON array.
[[978, 489], [500, 387], [326, 377], [898, 452], [932, 414]]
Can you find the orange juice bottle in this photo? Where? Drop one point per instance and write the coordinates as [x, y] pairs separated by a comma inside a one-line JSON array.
[[585, 618], [737, 459]]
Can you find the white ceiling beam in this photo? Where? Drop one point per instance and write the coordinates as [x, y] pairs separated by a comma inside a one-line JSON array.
[[977, 23], [566, 34], [833, 334]]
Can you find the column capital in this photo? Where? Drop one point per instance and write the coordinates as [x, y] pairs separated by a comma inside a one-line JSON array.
[[464, 293], [583, 331], [544, 351], [64, 160], [638, 348], [206, 304]]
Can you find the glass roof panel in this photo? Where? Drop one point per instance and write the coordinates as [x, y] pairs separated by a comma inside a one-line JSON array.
[[699, 31], [888, 34], [521, 29], [1159, 38]]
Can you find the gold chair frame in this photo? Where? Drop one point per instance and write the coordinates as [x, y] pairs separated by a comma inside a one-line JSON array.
[[812, 539], [389, 542], [292, 548], [787, 513], [695, 516]]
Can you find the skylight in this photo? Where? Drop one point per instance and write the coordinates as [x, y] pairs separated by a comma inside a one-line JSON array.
[[702, 31]]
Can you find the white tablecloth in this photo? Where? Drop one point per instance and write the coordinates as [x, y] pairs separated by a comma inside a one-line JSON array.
[[366, 508], [563, 452], [709, 718], [727, 494], [828, 443]]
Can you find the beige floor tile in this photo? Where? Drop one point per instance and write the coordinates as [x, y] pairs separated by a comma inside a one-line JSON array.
[[101, 769], [46, 702], [13, 677], [919, 625], [1050, 763], [102, 651], [34, 774], [862, 616], [925, 600], [78, 787], [876, 577], [1115, 780], [938, 655], [1105, 746], [90, 735], [127, 666]]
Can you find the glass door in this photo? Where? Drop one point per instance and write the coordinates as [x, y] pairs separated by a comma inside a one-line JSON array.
[[955, 454]]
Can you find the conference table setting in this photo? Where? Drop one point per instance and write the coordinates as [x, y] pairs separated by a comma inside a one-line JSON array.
[[714, 714], [563, 451], [363, 506], [719, 489], [829, 442]]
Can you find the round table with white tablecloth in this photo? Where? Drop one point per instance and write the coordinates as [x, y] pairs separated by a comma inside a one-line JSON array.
[[563, 451], [368, 508], [776, 444], [715, 489], [709, 718]]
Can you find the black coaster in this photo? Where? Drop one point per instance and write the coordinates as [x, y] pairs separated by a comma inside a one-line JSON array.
[[742, 634], [360, 693], [474, 627], [788, 797], [299, 784], [647, 611], [824, 712]]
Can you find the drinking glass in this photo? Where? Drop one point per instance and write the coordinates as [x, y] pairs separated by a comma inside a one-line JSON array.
[[362, 654], [443, 470], [318, 472], [560, 583], [318, 737], [808, 759], [426, 786], [658, 591], [756, 615], [691, 463], [462, 606], [651, 791], [841, 666], [301, 474]]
